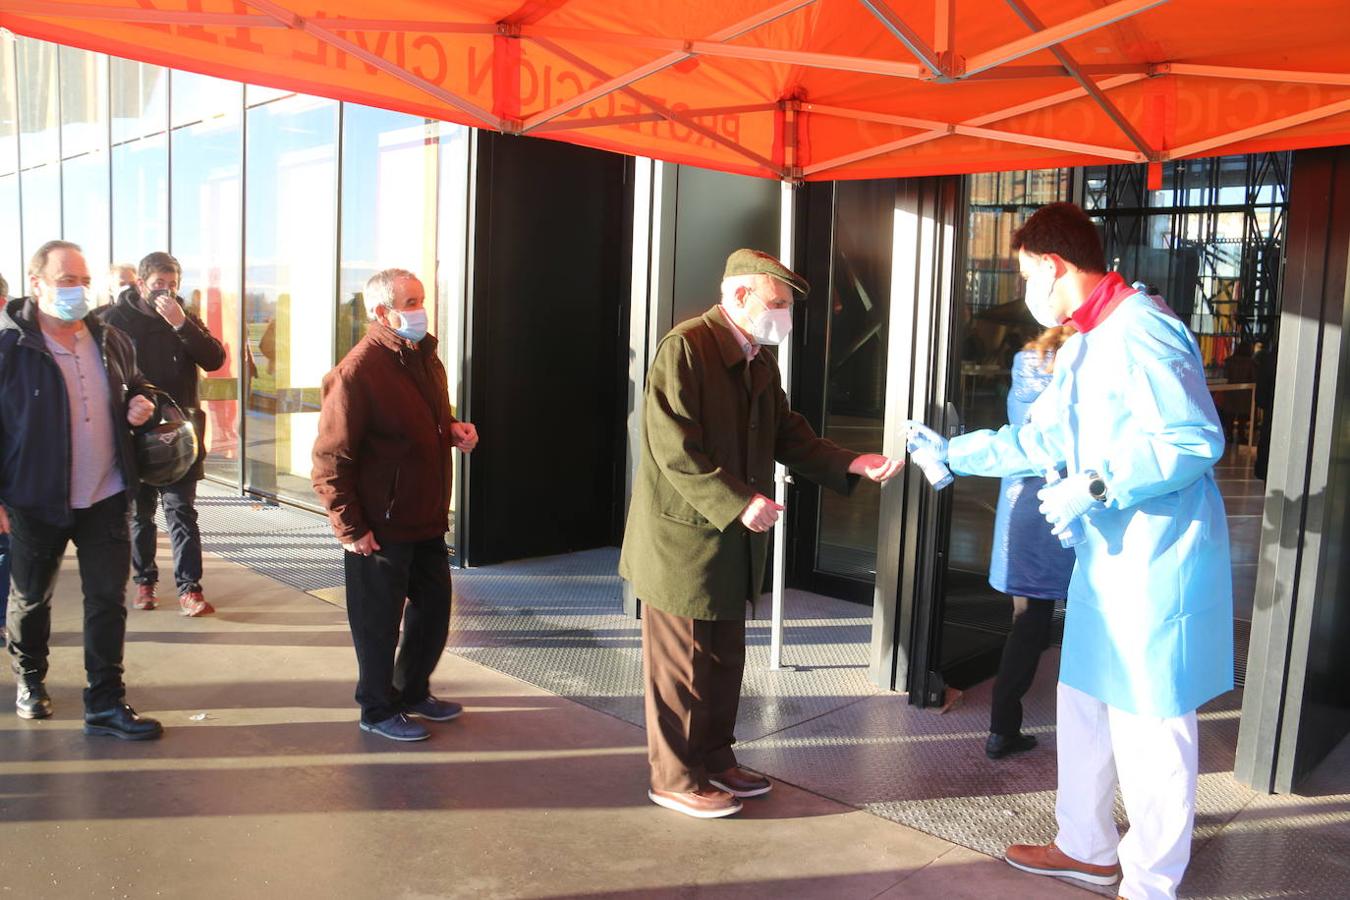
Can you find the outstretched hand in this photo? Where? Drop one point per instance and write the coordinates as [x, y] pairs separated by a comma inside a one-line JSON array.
[[876, 467]]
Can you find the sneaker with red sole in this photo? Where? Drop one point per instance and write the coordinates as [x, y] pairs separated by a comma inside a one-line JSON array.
[[193, 604], [145, 597]]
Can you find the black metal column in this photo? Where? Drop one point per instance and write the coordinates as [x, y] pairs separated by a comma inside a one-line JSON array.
[[1296, 704]]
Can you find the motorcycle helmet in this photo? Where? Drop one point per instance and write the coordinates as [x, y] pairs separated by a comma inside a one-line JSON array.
[[167, 451]]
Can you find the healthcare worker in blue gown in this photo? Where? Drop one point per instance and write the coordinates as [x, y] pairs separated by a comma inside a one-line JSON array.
[[1148, 634]]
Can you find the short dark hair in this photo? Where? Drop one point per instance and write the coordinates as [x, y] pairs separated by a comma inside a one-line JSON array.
[[157, 262], [1064, 230]]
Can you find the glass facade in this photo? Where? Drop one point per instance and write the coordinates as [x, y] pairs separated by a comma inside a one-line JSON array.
[[1210, 240], [277, 205]]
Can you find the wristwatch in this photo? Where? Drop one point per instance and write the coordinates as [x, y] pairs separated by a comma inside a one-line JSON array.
[[1096, 485]]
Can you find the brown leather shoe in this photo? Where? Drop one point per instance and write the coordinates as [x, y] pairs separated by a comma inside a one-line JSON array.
[[193, 604], [740, 782], [145, 597], [1047, 859], [699, 804]]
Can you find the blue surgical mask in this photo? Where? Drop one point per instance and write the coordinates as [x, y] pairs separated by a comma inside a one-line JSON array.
[[70, 304], [414, 325]]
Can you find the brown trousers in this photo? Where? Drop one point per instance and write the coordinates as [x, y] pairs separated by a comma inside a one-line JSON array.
[[692, 669]]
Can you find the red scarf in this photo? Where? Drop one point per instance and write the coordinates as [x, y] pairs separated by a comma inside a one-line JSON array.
[[1105, 297]]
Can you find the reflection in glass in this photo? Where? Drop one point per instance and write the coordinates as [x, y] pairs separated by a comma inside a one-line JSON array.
[[452, 239], [993, 324], [9, 114], [140, 197], [860, 291], [207, 227], [11, 253], [388, 208], [139, 99], [195, 98], [290, 286], [38, 102], [84, 197], [84, 102], [41, 206]]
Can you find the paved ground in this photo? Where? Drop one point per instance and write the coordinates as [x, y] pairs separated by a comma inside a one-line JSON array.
[[264, 787]]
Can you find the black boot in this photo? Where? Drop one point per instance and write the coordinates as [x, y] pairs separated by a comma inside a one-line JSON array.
[[33, 702], [122, 722], [1001, 745]]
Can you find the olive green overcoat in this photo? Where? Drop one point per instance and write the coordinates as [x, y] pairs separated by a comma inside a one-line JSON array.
[[712, 426]]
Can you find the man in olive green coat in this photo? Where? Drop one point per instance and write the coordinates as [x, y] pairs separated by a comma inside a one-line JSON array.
[[715, 419]]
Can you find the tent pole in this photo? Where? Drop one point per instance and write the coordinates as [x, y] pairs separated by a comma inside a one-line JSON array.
[[781, 478], [787, 220]]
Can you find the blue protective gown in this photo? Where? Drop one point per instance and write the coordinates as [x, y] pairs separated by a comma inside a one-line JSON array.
[[1027, 560], [1149, 625]]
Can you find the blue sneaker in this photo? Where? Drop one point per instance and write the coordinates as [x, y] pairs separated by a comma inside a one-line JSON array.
[[435, 710], [397, 728]]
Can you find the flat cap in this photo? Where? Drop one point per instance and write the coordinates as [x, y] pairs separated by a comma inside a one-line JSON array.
[[753, 262]]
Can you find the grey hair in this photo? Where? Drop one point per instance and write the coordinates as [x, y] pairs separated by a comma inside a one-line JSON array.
[[4, 288], [731, 282], [380, 289], [38, 264]]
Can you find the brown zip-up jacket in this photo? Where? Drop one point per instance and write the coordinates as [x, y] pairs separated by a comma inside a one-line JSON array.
[[382, 460], [712, 426]]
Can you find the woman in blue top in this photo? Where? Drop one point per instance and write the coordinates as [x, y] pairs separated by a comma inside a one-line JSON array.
[[1027, 562]]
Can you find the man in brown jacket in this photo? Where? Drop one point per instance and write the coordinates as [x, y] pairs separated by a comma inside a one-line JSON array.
[[714, 420], [382, 469]]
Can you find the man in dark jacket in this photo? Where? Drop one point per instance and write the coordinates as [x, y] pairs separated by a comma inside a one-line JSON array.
[[382, 468], [69, 389], [715, 418], [171, 345]]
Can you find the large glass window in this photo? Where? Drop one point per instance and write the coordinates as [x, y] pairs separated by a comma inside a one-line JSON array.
[[207, 210], [11, 250], [1209, 240], [994, 325], [84, 150], [126, 158], [388, 208], [140, 196], [855, 392], [290, 286], [39, 144]]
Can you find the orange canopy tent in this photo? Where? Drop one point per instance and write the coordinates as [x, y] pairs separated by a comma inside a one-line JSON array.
[[797, 89]]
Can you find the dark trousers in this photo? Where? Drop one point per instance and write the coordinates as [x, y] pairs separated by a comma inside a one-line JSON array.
[[180, 512], [692, 669], [103, 547], [1032, 623], [377, 586], [4, 577]]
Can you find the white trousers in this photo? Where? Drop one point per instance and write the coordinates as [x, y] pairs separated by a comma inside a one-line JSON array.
[[1156, 762]]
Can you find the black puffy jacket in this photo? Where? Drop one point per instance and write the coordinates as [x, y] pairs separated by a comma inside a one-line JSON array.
[[35, 413], [168, 357]]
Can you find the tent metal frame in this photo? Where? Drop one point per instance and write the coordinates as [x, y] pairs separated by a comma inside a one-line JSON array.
[[935, 62]]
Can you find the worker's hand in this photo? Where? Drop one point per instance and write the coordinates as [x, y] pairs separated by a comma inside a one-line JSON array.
[[139, 410], [464, 436], [921, 437], [876, 467], [760, 513], [364, 545], [1066, 501], [4, 521], [166, 304]]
